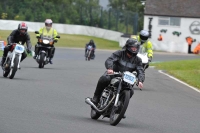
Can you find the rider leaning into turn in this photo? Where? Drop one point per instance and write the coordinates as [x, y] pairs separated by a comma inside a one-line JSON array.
[[18, 35], [146, 44], [47, 31], [121, 60], [91, 43]]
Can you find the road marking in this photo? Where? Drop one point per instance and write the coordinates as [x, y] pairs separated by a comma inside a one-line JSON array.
[[160, 71]]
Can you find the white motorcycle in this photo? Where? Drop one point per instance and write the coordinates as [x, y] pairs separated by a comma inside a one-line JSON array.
[[89, 55], [143, 55], [12, 62]]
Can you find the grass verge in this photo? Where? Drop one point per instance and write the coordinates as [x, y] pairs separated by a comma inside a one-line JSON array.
[[185, 70], [68, 40]]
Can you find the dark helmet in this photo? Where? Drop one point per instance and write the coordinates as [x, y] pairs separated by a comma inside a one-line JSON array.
[[22, 26], [91, 41], [132, 46], [144, 35]]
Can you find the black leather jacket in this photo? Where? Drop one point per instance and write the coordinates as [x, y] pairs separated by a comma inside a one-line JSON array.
[[16, 37], [119, 61]]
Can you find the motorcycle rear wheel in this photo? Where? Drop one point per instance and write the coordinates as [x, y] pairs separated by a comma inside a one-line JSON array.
[[5, 73], [14, 69], [117, 113]]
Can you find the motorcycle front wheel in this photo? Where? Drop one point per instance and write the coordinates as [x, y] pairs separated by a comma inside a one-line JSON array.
[[88, 55], [118, 112], [14, 69], [41, 61]]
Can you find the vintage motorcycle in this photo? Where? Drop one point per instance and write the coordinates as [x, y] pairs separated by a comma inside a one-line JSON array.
[[89, 53], [115, 97], [12, 62], [44, 46], [143, 55]]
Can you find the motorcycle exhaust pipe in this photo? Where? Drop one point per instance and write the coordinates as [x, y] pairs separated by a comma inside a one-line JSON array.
[[88, 101]]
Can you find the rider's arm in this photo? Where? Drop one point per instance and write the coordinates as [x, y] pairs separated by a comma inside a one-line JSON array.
[[55, 34], [40, 32], [140, 70], [28, 42], [112, 59], [11, 36], [94, 46], [149, 48]]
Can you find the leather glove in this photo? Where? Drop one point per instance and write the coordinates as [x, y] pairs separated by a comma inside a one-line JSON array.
[[150, 58], [28, 51]]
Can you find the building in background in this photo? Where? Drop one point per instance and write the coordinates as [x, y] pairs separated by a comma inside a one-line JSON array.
[[175, 20]]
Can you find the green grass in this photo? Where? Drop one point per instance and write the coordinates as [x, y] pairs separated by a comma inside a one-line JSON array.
[[68, 40], [186, 70]]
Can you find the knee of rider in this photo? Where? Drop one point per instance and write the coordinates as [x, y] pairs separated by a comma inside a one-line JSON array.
[[105, 79], [25, 55], [6, 48]]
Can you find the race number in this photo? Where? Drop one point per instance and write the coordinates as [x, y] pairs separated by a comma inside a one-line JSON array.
[[129, 78]]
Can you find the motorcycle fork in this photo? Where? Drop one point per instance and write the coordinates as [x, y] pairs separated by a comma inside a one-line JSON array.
[[118, 92]]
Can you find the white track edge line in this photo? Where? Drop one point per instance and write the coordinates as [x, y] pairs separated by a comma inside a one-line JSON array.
[[160, 71]]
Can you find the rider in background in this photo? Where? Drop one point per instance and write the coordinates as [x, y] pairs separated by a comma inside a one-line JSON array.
[[146, 44], [47, 31], [91, 43], [120, 61], [18, 35]]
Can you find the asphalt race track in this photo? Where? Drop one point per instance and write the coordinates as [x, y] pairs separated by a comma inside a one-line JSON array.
[[52, 100]]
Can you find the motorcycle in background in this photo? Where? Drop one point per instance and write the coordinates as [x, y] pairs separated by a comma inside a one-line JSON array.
[[89, 53], [143, 55], [44, 46], [115, 97], [12, 62]]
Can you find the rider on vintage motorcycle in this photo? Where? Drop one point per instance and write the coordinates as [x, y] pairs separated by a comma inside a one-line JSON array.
[[47, 31], [18, 35], [121, 60], [146, 44], [91, 43]]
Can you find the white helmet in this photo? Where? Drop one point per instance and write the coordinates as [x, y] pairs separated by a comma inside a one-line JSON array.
[[48, 23], [144, 35]]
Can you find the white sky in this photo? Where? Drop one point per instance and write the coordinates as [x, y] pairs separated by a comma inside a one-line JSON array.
[[103, 3]]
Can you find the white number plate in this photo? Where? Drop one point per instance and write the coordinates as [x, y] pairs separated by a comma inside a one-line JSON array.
[[129, 78], [19, 48]]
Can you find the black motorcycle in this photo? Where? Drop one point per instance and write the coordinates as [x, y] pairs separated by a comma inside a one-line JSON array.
[[115, 98], [44, 46]]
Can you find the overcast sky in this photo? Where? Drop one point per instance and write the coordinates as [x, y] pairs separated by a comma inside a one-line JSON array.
[[103, 3]]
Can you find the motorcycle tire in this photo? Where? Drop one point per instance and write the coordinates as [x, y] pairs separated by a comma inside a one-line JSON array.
[[117, 113], [5, 73], [88, 57], [14, 69], [41, 61]]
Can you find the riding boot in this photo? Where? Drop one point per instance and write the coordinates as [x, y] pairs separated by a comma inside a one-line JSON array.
[[50, 61], [95, 99]]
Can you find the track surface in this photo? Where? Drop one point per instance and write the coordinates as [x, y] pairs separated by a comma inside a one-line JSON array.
[[51, 100]]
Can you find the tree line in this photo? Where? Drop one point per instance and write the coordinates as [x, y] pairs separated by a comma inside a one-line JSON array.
[[120, 15]]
